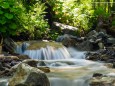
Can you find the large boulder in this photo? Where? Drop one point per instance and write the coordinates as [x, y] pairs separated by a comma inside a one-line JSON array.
[[28, 76]]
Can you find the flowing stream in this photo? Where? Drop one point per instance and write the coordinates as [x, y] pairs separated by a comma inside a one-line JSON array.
[[68, 65]]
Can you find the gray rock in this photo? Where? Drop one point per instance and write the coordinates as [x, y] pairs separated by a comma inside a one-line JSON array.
[[28, 76], [91, 33], [66, 29], [102, 81], [9, 45], [111, 40]]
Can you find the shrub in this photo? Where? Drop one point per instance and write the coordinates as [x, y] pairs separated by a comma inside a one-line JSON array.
[[9, 23], [73, 12], [16, 18]]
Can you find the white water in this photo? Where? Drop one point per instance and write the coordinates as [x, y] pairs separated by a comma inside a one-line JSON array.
[[68, 66]]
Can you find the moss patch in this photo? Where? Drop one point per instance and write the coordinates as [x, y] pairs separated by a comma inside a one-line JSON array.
[[38, 44]]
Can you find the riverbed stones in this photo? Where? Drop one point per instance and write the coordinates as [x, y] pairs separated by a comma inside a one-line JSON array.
[[106, 55], [102, 80], [6, 63], [69, 40], [28, 76]]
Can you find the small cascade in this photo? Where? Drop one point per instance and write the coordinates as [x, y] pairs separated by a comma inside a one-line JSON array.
[[48, 53], [44, 53], [68, 65]]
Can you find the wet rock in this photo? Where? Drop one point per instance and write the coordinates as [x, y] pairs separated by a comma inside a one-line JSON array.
[[86, 46], [106, 55], [97, 75], [28, 76], [101, 45], [31, 62], [69, 40], [41, 63], [9, 45], [91, 33], [96, 40], [44, 69], [109, 65], [23, 57], [102, 80], [111, 40], [6, 63], [9, 57]]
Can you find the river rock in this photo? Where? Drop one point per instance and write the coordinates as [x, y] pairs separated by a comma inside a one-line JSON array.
[[93, 32], [102, 80], [44, 69], [66, 29], [23, 57], [28, 76], [31, 62], [111, 40], [9, 45], [6, 63], [69, 40]]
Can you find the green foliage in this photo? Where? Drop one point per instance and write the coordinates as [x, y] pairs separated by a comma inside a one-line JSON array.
[[101, 12], [15, 18], [33, 19], [8, 15], [53, 34], [72, 12]]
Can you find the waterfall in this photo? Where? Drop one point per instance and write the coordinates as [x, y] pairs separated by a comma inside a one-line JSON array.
[[49, 52], [68, 65]]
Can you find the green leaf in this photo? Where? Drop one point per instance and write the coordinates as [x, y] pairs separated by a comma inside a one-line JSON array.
[[13, 26], [5, 5], [13, 9], [8, 15], [2, 21], [1, 12]]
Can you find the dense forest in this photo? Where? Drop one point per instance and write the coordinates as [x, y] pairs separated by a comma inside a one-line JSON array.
[[32, 19]]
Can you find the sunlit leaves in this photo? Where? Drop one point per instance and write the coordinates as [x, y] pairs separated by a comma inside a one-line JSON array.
[[5, 5], [8, 13]]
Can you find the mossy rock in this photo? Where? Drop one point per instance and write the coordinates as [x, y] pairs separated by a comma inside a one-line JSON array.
[[40, 44]]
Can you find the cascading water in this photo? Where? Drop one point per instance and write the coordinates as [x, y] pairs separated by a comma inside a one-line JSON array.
[[68, 66]]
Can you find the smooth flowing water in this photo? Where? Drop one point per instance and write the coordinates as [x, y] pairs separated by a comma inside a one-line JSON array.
[[68, 65]]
